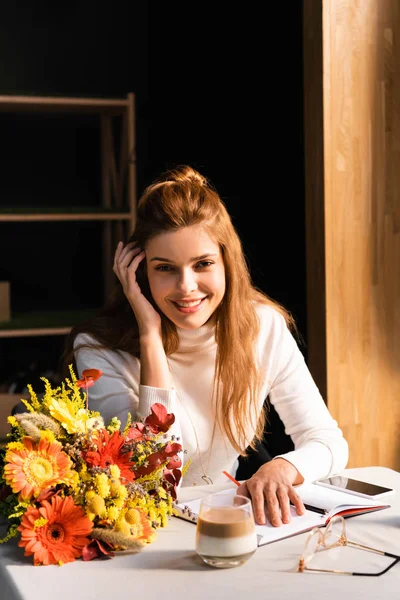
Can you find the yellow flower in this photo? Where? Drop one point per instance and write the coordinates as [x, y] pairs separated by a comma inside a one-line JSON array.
[[115, 484], [136, 524], [113, 513], [68, 413], [114, 425], [15, 446], [96, 506], [45, 434], [122, 492], [119, 502], [162, 493], [115, 471], [102, 484], [12, 421], [75, 479], [123, 527], [84, 475]]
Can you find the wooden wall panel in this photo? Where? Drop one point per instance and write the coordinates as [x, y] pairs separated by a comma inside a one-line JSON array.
[[360, 345]]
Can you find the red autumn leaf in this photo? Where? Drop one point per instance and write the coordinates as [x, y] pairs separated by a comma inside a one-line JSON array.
[[159, 420], [166, 455], [170, 451], [46, 494], [136, 433], [174, 463], [171, 481], [95, 374], [97, 549], [154, 461]]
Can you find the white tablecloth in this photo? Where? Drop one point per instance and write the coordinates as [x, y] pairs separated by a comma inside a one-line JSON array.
[[170, 569]]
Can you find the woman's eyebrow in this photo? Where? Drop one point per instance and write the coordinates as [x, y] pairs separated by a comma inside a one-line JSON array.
[[193, 259]]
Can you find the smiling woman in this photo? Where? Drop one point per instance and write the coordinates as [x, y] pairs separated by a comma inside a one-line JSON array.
[[189, 283], [186, 328]]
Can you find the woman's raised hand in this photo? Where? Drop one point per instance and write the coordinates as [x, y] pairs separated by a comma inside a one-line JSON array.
[[271, 491], [126, 262]]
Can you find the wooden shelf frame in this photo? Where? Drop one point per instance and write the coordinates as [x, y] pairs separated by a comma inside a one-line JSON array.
[[117, 208], [84, 216], [9, 103], [40, 323]]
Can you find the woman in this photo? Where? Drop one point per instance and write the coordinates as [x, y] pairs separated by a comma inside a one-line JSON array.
[[187, 328]]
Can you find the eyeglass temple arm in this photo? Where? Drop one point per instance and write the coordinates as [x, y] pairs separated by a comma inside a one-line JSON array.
[[397, 559], [381, 552]]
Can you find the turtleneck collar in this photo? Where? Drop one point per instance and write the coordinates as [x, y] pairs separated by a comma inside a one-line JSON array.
[[192, 340]]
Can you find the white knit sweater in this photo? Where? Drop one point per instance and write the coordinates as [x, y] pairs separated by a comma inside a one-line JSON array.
[[320, 448]]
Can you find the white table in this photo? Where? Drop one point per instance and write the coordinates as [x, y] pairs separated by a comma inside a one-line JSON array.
[[169, 568]]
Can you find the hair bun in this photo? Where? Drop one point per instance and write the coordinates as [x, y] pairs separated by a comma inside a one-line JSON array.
[[185, 174]]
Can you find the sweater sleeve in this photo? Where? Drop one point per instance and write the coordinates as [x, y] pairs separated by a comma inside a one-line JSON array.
[[118, 391], [320, 448]]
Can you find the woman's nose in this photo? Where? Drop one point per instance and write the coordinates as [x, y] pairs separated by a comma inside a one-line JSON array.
[[187, 282]]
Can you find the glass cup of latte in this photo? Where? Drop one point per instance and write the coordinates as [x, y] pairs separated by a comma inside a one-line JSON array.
[[225, 530]]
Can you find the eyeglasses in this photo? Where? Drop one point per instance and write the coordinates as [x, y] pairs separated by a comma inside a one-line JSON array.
[[332, 536]]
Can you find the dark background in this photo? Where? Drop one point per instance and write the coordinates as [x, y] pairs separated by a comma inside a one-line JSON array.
[[216, 87]]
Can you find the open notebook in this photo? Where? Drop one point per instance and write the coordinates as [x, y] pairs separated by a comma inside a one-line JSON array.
[[321, 505]]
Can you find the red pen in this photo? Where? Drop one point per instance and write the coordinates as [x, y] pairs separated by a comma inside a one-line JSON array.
[[231, 478]]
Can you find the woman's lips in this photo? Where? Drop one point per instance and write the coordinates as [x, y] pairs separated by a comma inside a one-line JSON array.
[[189, 307]]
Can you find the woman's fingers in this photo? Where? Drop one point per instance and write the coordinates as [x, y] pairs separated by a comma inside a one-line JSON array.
[[243, 491], [273, 508], [124, 254], [296, 501], [284, 503], [125, 257], [272, 501], [127, 252], [117, 254], [258, 501]]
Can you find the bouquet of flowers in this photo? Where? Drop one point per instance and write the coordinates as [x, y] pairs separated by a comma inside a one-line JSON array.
[[72, 487]]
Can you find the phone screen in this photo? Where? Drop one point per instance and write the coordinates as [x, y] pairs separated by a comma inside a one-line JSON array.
[[353, 485]]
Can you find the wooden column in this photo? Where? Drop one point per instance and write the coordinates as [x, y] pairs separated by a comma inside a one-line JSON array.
[[352, 79]]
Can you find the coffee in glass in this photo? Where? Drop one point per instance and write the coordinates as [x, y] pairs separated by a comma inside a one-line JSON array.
[[225, 531]]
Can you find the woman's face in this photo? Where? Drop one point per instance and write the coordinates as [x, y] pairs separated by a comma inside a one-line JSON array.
[[186, 275]]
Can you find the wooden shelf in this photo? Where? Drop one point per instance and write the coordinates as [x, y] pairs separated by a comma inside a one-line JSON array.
[[43, 323], [73, 214], [62, 104], [114, 212]]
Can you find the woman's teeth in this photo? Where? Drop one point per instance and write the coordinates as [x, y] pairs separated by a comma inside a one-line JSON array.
[[189, 304]]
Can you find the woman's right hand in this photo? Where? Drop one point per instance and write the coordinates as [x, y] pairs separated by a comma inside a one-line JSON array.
[[126, 261]]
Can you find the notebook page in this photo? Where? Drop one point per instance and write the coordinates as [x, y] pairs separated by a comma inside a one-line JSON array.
[[328, 499]]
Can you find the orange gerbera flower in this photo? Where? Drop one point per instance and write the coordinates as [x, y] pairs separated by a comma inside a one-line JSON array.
[[55, 533], [37, 467], [109, 453]]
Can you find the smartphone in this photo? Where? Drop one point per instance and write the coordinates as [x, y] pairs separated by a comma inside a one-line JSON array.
[[353, 486]]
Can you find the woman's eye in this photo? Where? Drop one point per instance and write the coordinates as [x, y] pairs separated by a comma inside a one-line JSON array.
[[163, 268], [204, 264]]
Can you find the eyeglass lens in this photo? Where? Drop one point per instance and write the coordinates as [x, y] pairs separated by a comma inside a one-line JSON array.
[[334, 532]]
